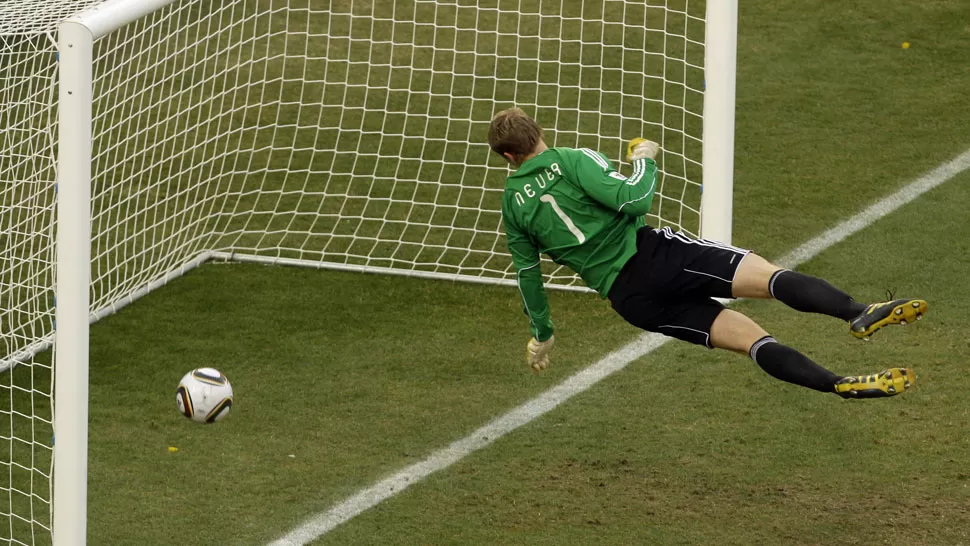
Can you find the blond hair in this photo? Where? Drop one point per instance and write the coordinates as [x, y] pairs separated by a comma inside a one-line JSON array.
[[513, 132]]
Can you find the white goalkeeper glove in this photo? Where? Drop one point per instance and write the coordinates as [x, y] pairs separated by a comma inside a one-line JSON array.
[[641, 148], [538, 353]]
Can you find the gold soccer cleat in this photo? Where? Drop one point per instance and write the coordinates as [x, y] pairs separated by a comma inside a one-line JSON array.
[[878, 315], [879, 385]]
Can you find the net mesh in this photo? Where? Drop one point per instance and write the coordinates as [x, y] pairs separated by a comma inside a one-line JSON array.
[[370, 137], [338, 133], [28, 116]]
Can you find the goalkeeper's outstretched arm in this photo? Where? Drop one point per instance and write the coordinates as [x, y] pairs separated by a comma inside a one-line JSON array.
[[631, 195], [528, 276]]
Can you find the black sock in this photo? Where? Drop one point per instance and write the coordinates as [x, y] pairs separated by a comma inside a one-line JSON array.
[[812, 295], [789, 365]]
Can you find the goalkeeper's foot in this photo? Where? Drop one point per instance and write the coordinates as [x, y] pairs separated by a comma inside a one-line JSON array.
[[878, 315], [878, 385]]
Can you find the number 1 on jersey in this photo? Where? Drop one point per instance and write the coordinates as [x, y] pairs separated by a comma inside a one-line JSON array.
[[546, 198]]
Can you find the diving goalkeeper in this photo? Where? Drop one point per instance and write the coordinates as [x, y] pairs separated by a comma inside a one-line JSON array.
[[572, 205]]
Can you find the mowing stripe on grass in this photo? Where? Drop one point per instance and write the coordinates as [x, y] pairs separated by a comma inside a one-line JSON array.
[[324, 522]]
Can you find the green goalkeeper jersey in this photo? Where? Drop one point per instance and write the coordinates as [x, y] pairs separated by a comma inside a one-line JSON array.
[[572, 205]]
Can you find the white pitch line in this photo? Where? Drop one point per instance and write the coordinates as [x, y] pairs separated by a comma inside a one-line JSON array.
[[876, 211], [366, 499]]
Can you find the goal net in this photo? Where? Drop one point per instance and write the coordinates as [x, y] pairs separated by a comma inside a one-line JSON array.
[[347, 134], [367, 146], [28, 120]]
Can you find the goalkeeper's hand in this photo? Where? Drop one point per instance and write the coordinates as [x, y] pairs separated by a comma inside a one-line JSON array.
[[538, 353], [641, 148]]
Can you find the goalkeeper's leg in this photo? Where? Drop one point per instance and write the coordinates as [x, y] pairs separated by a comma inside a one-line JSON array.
[[758, 278], [735, 332]]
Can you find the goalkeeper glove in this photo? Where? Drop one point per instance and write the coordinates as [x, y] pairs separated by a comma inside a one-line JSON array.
[[538, 353], [641, 148]]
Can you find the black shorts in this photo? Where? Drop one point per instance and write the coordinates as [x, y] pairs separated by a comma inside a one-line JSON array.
[[668, 286]]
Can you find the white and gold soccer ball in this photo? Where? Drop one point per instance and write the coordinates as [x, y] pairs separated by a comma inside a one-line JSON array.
[[204, 395]]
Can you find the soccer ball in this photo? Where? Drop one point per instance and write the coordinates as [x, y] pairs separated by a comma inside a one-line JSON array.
[[204, 395]]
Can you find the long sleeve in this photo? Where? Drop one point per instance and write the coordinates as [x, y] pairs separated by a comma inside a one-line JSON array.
[[528, 276], [632, 196]]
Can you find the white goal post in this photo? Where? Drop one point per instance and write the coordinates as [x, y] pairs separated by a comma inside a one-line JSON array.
[[346, 134]]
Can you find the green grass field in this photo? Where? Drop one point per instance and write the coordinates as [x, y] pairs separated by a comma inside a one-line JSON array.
[[342, 379]]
